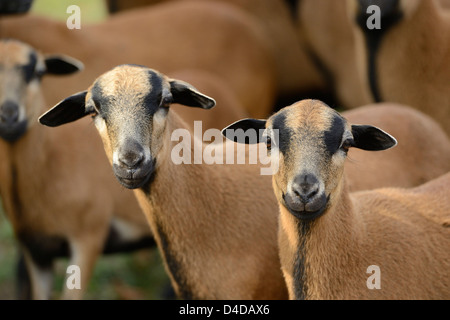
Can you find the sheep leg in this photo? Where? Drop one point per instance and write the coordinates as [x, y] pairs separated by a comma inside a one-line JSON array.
[[84, 254], [23, 279], [41, 277]]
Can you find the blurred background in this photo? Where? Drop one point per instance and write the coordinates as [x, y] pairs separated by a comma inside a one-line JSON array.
[[92, 10]]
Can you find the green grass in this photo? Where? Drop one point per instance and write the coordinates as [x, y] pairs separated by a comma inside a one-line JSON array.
[[8, 257], [139, 275], [91, 10]]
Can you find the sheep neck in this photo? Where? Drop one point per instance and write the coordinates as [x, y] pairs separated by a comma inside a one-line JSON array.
[[195, 212], [18, 163], [323, 251], [169, 218]]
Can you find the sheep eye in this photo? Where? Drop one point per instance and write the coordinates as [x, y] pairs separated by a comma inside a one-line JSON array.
[[268, 143], [93, 109], [93, 113], [346, 145], [166, 101]]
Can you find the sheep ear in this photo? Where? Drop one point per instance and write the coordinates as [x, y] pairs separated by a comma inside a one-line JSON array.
[[185, 94], [238, 131], [60, 65], [371, 138], [68, 110]]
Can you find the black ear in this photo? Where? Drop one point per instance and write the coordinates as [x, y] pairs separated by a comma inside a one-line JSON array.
[[371, 138], [60, 65], [185, 94], [68, 110], [238, 131]]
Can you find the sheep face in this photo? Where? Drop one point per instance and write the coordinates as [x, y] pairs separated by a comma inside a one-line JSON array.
[[313, 143], [129, 105], [21, 68]]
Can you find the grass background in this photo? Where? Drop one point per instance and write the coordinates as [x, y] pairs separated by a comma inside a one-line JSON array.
[[139, 275], [91, 10]]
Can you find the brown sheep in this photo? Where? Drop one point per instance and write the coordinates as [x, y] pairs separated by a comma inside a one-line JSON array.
[[421, 77], [329, 238], [199, 228], [327, 33], [328, 29], [213, 36], [58, 202]]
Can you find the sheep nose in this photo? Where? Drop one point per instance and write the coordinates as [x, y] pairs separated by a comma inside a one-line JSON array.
[[131, 155], [9, 112], [305, 187]]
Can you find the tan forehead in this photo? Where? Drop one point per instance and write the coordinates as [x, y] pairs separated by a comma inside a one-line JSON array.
[[311, 114], [14, 53], [129, 80]]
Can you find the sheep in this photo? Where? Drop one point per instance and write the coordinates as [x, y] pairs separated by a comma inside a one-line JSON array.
[[421, 78], [56, 193], [200, 251], [327, 29], [196, 212], [213, 36], [327, 33], [330, 238]]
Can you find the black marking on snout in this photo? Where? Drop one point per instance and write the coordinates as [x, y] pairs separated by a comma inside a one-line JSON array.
[[390, 16], [333, 136]]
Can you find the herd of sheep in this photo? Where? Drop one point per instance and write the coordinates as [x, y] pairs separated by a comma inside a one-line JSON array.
[[116, 92]]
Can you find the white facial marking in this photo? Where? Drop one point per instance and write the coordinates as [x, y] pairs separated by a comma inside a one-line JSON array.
[[100, 125]]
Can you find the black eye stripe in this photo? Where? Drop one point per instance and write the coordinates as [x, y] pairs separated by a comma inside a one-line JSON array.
[[285, 132], [333, 136], [100, 100], [152, 100], [30, 68]]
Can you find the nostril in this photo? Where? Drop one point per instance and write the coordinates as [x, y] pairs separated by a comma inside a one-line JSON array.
[[305, 187], [305, 195], [131, 159], [312, 193]]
